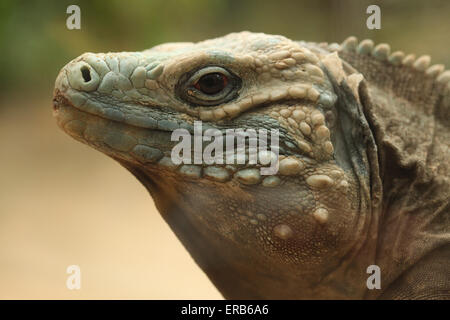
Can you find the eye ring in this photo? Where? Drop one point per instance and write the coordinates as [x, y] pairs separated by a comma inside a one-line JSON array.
[[208, 86]]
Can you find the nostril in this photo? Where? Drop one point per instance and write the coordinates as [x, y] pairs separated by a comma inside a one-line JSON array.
[[82, 76], [85, 73]]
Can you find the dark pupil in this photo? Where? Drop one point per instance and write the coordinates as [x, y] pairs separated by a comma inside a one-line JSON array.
[[211, 83]]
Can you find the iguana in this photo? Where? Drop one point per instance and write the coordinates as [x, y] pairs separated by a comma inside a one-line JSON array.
[[363, 165]]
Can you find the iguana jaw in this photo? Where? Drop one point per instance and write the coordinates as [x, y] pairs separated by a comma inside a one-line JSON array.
[[242, 263]]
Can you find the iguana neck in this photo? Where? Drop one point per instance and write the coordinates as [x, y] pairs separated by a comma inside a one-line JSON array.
[[413, 213]]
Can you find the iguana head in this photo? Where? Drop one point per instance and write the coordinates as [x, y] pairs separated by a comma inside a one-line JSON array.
[[288, 234]]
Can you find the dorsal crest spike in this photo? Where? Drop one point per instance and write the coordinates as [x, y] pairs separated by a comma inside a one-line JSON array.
[[381, 52], [407, 76]]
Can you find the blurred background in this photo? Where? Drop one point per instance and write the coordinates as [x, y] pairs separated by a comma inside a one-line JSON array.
[[63, 203]]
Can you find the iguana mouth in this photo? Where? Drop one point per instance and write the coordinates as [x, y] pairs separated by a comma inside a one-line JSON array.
[[112, 111], [101, 132]]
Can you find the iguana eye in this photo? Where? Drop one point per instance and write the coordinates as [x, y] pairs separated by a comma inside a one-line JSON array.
[[208, 86], [212, 83]]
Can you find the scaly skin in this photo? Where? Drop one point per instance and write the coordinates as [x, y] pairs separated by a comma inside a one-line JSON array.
[[363, 173]]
